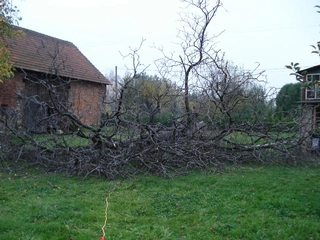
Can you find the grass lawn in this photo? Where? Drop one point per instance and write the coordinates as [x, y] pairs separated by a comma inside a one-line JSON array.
[[243, 203]]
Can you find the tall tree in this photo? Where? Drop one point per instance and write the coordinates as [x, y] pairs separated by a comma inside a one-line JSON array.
[[8, 18], [197, 47], [287, 98]]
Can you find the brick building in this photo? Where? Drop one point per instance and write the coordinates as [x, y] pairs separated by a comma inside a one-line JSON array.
[[52, 77]]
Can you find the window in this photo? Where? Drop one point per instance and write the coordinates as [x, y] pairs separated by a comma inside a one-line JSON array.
[[313, 91]]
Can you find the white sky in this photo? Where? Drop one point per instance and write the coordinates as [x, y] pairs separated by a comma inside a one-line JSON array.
[[270, 32]]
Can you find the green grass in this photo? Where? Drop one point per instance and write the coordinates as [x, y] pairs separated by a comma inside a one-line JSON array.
[[244, 203], [244, 138], [50, 141]]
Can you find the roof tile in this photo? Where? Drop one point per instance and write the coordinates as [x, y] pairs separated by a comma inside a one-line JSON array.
[[42, 53]]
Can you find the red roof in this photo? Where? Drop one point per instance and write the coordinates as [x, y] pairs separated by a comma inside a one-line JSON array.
[[41, 53]]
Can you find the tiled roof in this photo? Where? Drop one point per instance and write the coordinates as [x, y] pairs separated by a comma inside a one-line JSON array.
[[42, 53]]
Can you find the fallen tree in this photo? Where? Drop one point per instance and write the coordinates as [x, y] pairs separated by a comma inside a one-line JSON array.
[[216, 114]]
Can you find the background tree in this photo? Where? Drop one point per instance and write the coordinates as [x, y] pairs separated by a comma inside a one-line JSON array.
[[8, 18], [233, 92], [287, 98], [153, 97]]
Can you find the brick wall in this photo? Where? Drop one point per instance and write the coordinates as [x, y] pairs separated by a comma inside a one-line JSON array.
[[87, 101], [9, 90], [9, 100]]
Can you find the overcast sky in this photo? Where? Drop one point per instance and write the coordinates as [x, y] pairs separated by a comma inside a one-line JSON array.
[[272, 33]]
